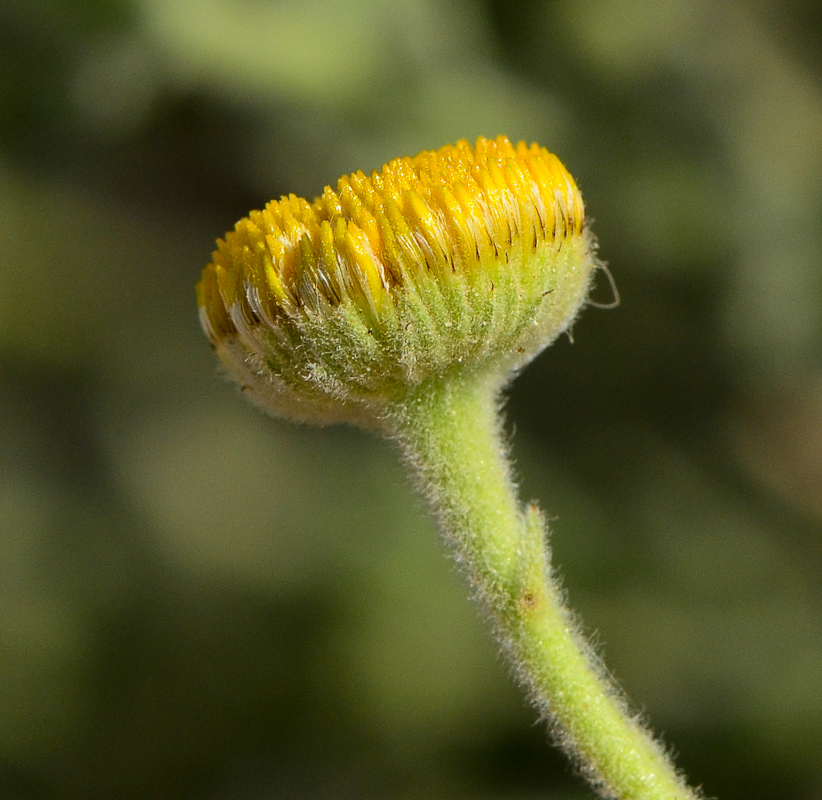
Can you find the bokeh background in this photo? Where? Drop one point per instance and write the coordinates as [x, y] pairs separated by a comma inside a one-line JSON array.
[[198, 602]]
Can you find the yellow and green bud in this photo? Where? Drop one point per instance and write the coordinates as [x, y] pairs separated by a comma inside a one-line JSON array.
[[465, 259]]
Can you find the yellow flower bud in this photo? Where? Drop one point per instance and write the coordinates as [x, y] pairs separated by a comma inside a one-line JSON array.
[[457, 260]]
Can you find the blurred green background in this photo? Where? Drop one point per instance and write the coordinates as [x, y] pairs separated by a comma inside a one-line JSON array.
[[198, 602]]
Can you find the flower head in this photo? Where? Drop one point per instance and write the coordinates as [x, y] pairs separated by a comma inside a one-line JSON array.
[[460, 259]]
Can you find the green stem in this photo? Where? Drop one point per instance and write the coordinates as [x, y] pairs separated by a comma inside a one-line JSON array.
[[450, 431]]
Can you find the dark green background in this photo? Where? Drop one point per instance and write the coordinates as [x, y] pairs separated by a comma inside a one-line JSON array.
[[198, 602]]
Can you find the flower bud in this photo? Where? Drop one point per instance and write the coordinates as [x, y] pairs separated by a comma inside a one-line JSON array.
[[461, 260]]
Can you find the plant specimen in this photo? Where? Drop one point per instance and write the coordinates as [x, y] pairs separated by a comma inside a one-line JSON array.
[[404, 302]]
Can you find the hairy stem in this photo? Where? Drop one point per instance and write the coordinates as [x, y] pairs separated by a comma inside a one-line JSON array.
[[450, 431]]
